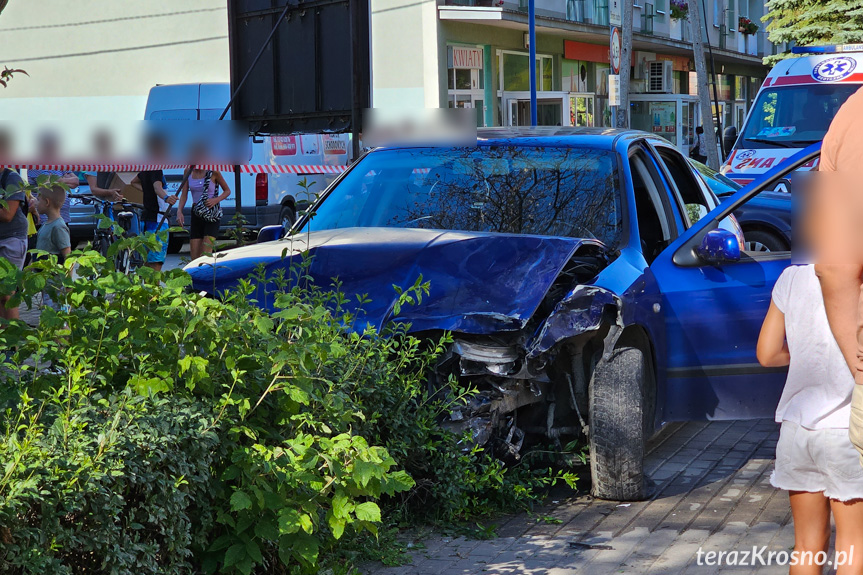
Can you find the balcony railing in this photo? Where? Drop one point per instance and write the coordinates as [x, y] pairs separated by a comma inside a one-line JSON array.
[[470, 3]]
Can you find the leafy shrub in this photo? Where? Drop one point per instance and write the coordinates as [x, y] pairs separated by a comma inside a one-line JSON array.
[[153, 430]]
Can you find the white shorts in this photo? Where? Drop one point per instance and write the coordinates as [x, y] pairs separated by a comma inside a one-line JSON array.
[[817, 460]]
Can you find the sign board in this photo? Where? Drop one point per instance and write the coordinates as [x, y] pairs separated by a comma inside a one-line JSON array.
[[314, 75], [615, 13], [615, 49], [465, 58], [664, 115], [335, 145], [284, 145], [613, 90]]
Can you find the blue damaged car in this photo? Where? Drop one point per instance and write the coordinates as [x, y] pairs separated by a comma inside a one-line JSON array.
[[592, 284]]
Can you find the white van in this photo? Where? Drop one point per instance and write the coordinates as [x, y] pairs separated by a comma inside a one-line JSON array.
[[267, 197], [794, 108]]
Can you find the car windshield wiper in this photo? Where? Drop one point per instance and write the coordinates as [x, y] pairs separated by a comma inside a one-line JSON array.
[[776, 143]]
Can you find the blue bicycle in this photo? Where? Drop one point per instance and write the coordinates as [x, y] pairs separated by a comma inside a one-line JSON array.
[[127, 218]]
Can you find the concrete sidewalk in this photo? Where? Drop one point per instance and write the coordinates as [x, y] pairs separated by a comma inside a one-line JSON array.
[[713, 493]]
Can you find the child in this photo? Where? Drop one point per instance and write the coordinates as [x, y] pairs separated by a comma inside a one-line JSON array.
[[815, 460], [53, 236]]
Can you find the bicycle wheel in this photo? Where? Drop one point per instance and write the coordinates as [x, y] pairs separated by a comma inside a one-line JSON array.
[[101, 245], [128, 261]]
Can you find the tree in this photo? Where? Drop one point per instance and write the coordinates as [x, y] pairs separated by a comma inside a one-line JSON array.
[[695, 20], [813, 22]]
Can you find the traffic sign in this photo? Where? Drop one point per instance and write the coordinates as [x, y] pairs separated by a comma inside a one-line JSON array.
[[615, 49]]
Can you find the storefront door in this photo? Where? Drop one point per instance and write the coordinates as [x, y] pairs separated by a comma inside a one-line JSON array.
[[581, 110], [549, 112]]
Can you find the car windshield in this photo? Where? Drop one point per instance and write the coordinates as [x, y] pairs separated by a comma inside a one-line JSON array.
[[718, 183], [794, 116], [505, 189]]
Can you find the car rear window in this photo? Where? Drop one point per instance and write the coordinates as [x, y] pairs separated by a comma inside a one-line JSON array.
[[547, 191]]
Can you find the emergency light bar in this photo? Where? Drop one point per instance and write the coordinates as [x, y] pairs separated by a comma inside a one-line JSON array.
[[833, 49]]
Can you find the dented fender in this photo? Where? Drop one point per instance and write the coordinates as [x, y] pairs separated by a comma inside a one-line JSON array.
[[582, 310]]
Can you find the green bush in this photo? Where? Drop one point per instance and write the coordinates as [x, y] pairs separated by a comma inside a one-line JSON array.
[[153, 430]]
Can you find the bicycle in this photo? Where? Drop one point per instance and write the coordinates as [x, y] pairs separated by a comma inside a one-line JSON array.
[[127, 260]]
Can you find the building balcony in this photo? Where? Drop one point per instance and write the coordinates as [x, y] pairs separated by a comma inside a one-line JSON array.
[[486, 3]]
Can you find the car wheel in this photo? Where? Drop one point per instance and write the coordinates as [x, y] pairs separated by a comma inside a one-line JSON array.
[[759, 241], [621, 407], [175, 243], [287, 217]]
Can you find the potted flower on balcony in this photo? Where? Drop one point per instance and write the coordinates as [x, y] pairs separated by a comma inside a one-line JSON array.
[[746, 26], [679, 9]]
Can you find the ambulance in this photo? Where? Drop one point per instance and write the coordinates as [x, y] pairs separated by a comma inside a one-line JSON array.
[[794, 108], [285, 172]]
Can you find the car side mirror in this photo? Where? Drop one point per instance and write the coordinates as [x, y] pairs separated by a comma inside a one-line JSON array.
[[729, 138], [271, 233], [719, 246]]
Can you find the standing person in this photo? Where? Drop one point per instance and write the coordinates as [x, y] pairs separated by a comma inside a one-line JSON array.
[[48, 150], [100, 182], [53, 236], [815, 460], [13, 229], [156, 204], [698, 151], [834, 233], [203, 229]]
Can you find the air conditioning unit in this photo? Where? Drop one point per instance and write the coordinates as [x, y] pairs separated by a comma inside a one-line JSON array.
[[660, 76]]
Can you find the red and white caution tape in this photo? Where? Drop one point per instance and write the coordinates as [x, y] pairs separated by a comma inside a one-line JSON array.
[[246, 169]]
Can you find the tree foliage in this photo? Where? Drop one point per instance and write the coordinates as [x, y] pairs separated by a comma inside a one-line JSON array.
[[813, 22]]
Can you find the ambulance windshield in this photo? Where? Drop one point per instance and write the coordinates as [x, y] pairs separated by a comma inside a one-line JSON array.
[[793, 116]]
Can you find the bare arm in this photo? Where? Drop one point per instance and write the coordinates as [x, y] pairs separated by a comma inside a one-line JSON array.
[[772, 351], [8, 212], [224, 185], [70, 180], [112, 194], [840, 284]]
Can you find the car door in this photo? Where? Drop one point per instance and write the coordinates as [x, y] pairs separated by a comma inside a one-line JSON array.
[[713, 315]]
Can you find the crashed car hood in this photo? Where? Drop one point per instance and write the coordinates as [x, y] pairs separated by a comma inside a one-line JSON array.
[[480, 283]]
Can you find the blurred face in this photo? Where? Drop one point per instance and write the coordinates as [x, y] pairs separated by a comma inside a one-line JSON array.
[[48, 146], [103, 145]]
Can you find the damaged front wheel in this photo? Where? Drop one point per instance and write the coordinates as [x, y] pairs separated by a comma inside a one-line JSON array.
[[621, 412]]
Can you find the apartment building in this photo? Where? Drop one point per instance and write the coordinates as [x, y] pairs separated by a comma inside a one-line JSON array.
[[474, 54]]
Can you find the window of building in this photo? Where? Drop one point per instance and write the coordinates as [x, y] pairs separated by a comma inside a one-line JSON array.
[[661, 8], [516, 75], [717, 13]]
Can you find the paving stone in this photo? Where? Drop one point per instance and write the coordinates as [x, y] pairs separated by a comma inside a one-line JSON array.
[[713, 493]]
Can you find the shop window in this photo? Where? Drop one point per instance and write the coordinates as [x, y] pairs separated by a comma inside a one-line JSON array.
[[516, 76]]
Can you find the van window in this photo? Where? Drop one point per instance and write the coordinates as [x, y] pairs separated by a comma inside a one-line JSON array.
[[174, 115], [794, 116]]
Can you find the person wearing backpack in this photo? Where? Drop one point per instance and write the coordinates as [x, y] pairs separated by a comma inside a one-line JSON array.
[[13, 229]]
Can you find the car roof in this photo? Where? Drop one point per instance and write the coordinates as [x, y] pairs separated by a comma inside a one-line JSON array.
[[553, 136], [603, 138]]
